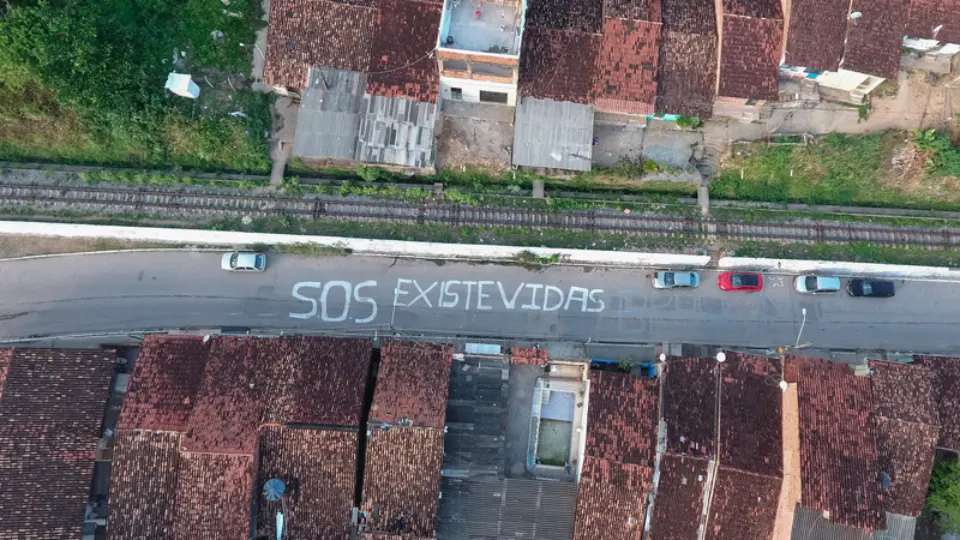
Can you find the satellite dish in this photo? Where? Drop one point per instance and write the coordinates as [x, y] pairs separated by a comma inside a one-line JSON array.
[[274, 489], [856, 15]]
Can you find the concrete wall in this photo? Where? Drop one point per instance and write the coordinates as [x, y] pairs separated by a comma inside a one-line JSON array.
[[471, 89]]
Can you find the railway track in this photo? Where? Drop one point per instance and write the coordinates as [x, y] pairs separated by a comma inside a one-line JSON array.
[[181, 203]]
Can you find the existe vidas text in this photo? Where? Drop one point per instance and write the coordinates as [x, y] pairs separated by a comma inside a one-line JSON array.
[[340, 301]]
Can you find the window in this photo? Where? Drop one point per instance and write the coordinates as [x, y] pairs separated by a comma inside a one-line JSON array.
[[457, 93], [493, 97]]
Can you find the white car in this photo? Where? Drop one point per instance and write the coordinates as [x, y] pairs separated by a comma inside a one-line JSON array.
[[817, 284], [242, 261]]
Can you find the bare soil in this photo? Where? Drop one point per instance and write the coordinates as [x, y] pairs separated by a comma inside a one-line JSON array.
[[22, 246]]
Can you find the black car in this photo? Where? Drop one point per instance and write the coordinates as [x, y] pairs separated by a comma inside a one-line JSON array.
[[870, 287]]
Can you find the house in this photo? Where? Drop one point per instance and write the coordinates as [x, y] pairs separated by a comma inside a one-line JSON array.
[[751, 40], [52, 411], [207, 421], [365, 73], [404, 453]]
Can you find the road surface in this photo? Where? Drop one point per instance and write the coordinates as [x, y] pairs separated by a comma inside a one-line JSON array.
[[138, 291]]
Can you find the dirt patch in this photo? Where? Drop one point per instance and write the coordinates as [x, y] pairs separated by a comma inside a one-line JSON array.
[[23, 246], [475, 142], [904, 172]]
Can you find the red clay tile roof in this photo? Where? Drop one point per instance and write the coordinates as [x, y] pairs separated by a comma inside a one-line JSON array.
[[690, 405], [697, 17], [925, 15], [143, 484], [529, 356], [679, 500], [906, 451], [751, 414], [838, 451], [946, 381], [904, 392], [627, 72], [750, 58], [817, 31], [319, 468], [688, 74], [637, 10], [248, 382], [757, 9], [305, 33], [612, 502], [744, 505], [318, 380], [578, 15], [52, 405], [874, 44], [558, 64], [402, 64], [401, 480], [164, 385], [6, 356], [213, 496], [412, 383], [622, 418]]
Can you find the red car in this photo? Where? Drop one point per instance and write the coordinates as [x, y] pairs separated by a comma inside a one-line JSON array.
[[741, 281]]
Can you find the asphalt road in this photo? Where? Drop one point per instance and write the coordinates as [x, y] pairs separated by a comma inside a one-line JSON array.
[[137, 291]]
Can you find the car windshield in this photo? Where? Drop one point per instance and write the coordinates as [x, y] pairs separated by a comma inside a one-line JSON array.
[[867, 287], [259, 260], [811, 283], [743, 280], [233, 260], [668, 278]]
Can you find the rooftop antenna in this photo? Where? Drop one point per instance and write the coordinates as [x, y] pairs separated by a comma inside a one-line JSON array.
[[273, 491], [937, 30]]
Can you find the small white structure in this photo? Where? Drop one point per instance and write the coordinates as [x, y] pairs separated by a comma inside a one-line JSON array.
[[182, 85]]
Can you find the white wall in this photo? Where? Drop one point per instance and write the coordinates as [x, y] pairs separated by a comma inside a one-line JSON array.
[[471, 89]]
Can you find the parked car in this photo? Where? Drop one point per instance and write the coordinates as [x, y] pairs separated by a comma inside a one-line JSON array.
[[241, 261], [675, 280], [741, 281], [817, 284], [870, 287]]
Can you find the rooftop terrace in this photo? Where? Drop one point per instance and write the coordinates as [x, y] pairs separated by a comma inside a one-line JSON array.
[[489, 26]]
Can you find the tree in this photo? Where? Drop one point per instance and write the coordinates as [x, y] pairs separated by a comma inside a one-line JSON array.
[[943, 501]]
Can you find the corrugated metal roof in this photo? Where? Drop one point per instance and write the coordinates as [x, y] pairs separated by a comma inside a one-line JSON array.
[[506, 509], [899, 527], [553, 134], [329, 118], [812, 525], [397, 131]]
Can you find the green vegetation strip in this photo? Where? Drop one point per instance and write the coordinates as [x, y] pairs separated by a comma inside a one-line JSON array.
[[844, 170], [82, 81]]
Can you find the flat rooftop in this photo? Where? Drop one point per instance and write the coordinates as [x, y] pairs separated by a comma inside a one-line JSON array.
[[482, 26]]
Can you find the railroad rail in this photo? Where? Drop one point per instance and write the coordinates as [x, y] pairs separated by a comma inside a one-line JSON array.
[[184, 203]]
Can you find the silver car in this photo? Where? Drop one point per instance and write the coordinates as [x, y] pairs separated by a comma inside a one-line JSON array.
[[242, 261], [676, 280], [817, 284]]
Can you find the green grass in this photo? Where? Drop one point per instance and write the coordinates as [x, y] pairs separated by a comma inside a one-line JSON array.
[[839, 170], [860, 252], [81, 81]]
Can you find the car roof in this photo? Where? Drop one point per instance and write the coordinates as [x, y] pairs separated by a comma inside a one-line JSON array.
[[828, 282], [247, 259], [683, 278]]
